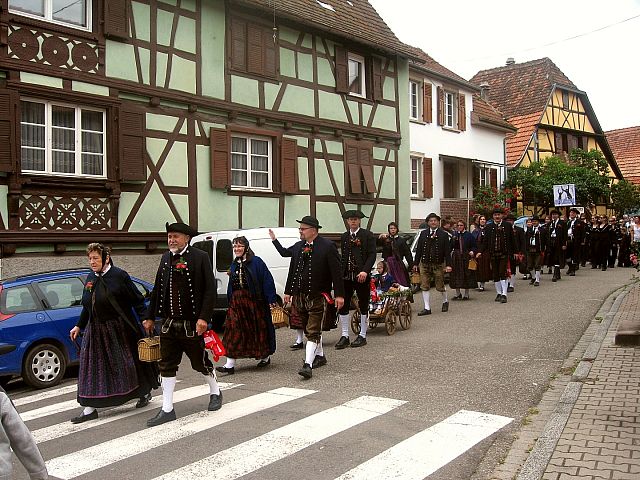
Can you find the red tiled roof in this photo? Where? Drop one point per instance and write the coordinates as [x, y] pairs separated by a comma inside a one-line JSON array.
[[485, 112], [522, 88], [430, 65], [516, 144], [625, 145], [353, 19]]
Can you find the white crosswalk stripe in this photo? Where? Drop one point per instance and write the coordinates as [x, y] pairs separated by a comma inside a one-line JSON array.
[[56, 392]]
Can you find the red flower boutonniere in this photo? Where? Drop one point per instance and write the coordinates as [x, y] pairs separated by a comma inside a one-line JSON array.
[[307, 250], [181, 265], [356, 241], [88, 286]]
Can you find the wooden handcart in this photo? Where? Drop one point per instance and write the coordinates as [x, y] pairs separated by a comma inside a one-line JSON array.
[[397, 308]]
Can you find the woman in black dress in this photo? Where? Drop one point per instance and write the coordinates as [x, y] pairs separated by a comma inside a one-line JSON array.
[[464, 249], [110, 372], [483, 273], [394, 251]]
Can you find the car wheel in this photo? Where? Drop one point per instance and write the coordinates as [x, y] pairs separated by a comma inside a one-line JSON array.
[[44, 366]]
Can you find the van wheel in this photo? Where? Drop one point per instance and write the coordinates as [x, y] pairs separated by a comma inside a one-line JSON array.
[[44, 366]]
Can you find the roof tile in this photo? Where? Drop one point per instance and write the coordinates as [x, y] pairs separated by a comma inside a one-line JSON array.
[[486, 112], [625, 145], [517, 143]]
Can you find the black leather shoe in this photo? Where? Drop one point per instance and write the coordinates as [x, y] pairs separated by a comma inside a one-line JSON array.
[[227, 370], [532, 281], [424, 312], [465, 298], [510, 289], [161, 417], [264, 363], [215, 402], [359, 342], [445, 307], [342, 343], [84, 418], [536, 283], [319, 361], [143, 401], [503, 299], [305, 371], [297, 346], [457, 297], [498, 297]]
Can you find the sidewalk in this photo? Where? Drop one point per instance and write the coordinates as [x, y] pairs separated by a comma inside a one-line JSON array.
[[587, 425]]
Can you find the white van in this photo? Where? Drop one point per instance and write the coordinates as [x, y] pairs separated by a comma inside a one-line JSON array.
[[218, 247]]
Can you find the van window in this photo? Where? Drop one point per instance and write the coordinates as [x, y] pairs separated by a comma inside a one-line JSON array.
[[224, 255], [205, 246]]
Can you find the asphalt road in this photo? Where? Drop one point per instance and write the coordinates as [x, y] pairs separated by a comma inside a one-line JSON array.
[[481, 356]]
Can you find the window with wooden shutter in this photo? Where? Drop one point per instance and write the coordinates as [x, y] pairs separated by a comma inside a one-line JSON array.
[[493, 177], [116, 18], [289, 165], [462, 113], [9, 134], [366, 166], [342, 70], [440, 99], [219, 141], [573, 142], [251, 48], [376, 79], [427, 177], [132, 144], [358, 158], [427, 104]]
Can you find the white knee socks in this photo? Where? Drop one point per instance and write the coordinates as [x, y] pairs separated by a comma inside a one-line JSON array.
[[320, 348], [512, 281], [299, 335], [538, 276], [88, 410], [214, 389], [344, 323], [230, 363], [168, 385], [425, 299], [310, 352], [445, 298], [498, 286], [503, 283]]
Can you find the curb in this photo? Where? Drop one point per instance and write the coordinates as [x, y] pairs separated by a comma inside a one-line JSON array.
[[536, 463]]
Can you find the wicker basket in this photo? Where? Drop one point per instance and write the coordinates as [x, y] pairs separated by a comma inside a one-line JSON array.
[[279, 317], [415, 278], [149, 349]]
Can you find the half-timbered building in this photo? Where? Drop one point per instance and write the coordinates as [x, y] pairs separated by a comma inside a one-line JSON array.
[[117, 116], [551, 114], [457, 141]]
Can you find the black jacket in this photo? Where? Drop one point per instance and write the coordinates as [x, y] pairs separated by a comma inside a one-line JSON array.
[[578, 231], [364, 255], [490, 238], [560, 231], [540, 239], [443, 246], [396, 247], [326, 274], [201, 283]]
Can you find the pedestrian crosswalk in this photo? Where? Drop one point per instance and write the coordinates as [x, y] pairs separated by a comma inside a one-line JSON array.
[[110, 445]]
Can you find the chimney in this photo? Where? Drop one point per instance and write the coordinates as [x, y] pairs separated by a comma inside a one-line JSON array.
[[484, 91], [510, 61]]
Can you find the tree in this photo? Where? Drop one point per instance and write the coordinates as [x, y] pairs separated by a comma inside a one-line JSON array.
[[487, 199], [625, 197]]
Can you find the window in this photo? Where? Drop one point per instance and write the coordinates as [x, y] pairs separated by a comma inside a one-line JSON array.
[[414, 100], [62, 293], [17, 300], [224, 255], [252, 48], [450, 110], [72, 13], [62, 139], [415, 176], [356, 75], [565, 100], [251, 162], [359, 168]]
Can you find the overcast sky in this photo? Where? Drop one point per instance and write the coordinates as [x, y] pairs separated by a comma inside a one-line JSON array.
[[469, 35]]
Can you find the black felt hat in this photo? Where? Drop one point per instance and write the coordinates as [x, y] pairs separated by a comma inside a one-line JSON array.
[[535, 217], [577, 212], [180, 227], [498, 210], [430, 216], [311, 221], [557, 212], [353, 214]]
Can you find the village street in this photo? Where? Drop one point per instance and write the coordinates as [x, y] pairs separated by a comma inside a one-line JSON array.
[[484, 362]]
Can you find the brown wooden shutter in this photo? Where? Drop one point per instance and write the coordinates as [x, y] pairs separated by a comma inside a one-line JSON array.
[[351, 154], [270, 53], [585, 144], [342, 70], [573, 142], [376, 75], [132, 144], [9, 133], [255, 49], [558, 140], [427, 103], [289, 165], [238, 48], [365, 155], [493, 177], [219, 141], [427, 178], [116, 18], [440, 99], [462, 112]]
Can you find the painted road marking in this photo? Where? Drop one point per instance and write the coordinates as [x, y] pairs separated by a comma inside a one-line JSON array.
[[426, 452], [106, 453], [56, 392], [258, 452]]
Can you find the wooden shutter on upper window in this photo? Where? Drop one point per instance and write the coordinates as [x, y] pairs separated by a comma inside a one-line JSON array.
[[270, 53], [342, 70], [365, 153], [238, 47], [427, 103], [440, 99], [377, 79], [493, 177], [9, 133], [462, 112], [351, 155], [116, 18], [132, 144], [219, 141], [255, 49], [558, 140], [427, 178], [289, 165]]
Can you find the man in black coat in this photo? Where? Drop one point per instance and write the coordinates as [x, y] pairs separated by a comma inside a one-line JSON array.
[[314, 272], [184, 297], [517, 257], [575, 241], [358, 248], [556, 244], [432, 260], [616, 239], [499, 245], [534, 239]]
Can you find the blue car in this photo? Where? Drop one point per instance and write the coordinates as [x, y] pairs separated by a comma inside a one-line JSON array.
[[36, 313]]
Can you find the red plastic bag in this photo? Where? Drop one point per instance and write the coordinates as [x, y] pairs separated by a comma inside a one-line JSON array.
[[212, 342]]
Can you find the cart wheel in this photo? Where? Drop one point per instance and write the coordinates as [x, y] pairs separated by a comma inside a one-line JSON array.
[[390, 322], [355, 322], [372, 323], [405, 315]]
